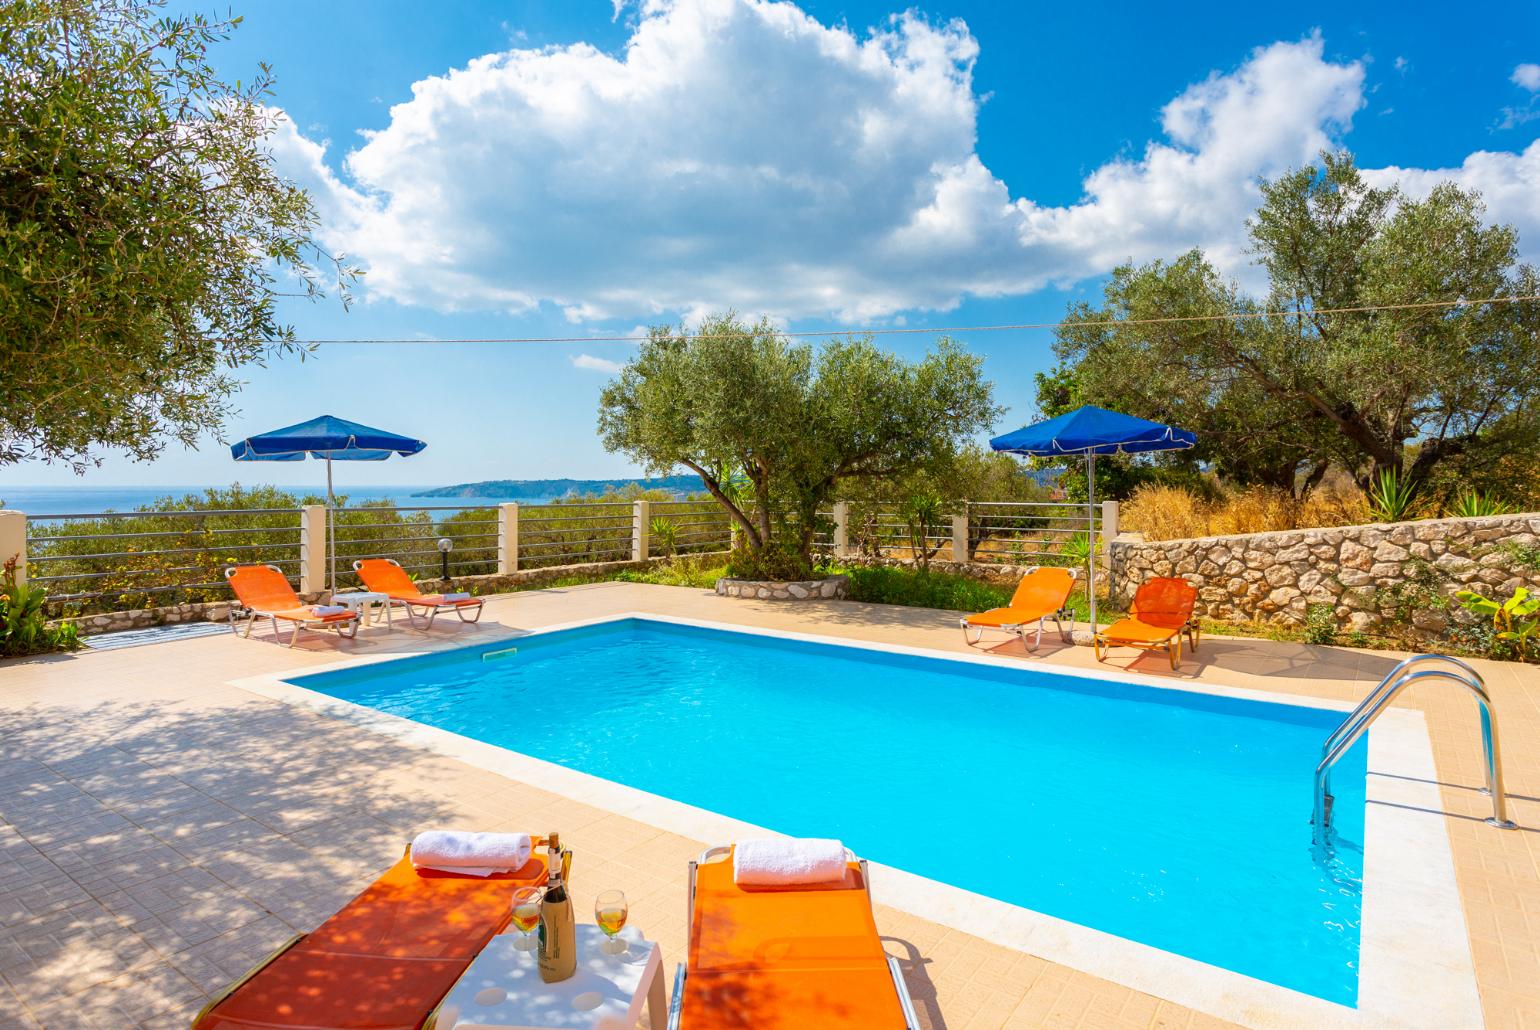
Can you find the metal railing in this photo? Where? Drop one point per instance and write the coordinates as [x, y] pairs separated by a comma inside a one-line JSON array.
[[412, 535], [102, 561], [1359, 720]]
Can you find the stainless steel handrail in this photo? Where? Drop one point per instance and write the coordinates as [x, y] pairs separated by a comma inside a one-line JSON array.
[[1369, 709]]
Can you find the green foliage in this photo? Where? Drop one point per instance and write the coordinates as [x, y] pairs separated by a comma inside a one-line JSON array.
[[1278, 399], [663, 535], [145, 232], [1421, 588], [1392, 498], [1320, 624], [1523, 556], [777, 560], [698, 571], [1516, 620], [795, 423], [1475, 504], [917, 589], [23, 623], [1077, 549]]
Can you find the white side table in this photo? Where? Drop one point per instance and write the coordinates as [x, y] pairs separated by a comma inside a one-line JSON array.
[[502, 989], [367, 604]]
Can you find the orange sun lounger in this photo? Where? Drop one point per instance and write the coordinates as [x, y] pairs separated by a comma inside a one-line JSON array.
[[386, 576], [1041, 596], [264, 591], [1160, 614], [384, 962], [785, 958]]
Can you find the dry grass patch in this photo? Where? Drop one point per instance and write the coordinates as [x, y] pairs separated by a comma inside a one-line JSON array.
[[1174, 513]]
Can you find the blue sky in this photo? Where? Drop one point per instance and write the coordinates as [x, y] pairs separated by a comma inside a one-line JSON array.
[[586, 170]]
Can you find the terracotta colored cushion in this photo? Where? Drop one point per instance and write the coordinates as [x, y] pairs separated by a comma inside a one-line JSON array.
[[770, 927], [1163, 601], [385, 960], [827, 998], [1135, 631]]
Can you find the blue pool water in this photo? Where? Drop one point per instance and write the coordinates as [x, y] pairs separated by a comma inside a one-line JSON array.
[[1176, 819]]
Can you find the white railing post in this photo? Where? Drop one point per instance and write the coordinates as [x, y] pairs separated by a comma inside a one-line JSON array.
[[1109, 530], [312, 549], [641, 523], [507, 539], [960, 538], [13, 542], [841, 529]]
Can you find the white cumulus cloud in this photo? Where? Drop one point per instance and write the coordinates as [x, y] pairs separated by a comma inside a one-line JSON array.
[[739, 153], [595, 364], [1527, 76]]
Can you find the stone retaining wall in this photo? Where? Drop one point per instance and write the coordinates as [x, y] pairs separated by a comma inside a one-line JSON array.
[[776, 590], [1358, 570]]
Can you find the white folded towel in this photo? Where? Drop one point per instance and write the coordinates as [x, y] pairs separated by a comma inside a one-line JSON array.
[[329, 609], [471, 854], [788, 861], [457, 597]]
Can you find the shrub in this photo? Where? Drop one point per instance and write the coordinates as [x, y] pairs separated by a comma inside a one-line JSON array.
[[1320, 624], [770, 562], [24, 628], [916, 589]]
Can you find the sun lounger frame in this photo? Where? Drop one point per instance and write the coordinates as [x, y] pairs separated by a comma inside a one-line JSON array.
[[431, 608], [315, 624], [676, 1000], [1021, 628]]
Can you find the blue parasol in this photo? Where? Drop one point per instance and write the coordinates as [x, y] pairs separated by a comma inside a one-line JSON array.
[[1091, 431], [332, 439]]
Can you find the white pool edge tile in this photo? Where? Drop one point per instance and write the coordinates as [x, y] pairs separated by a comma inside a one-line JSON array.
[[1416, 969]]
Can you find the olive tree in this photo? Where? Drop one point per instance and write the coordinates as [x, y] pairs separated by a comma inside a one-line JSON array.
[[1426, 392], [774, 427], [145, 234]]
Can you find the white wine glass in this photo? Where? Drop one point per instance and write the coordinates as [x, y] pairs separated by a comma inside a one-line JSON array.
[[610, 912], [526, 915]]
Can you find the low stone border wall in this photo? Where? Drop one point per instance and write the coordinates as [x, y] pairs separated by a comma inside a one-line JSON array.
[[776, 590], [1358, 570]]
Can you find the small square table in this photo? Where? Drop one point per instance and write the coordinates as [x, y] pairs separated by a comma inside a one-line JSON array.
[[367, 604], [502, 989]]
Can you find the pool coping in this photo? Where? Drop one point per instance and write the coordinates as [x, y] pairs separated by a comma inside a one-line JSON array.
[[1416, 968]]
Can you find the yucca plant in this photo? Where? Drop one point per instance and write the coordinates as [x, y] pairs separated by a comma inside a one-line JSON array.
[[1077, 548], [1391, 497], [1475, 505], [665, 533]]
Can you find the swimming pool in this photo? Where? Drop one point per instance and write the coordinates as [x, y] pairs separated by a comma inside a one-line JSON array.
[[1176, 819]]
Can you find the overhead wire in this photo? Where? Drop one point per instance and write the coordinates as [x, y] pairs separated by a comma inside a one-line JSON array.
[[944, 330]]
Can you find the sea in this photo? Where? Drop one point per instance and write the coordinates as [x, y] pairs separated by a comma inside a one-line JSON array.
[[38, 501]]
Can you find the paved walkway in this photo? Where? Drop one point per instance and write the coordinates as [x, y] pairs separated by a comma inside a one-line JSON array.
[[161, 830]]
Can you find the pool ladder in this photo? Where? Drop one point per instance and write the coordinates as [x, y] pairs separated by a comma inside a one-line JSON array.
[[1357, 723]]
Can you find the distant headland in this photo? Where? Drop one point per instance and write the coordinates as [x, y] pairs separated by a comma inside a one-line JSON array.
[[563, 487]]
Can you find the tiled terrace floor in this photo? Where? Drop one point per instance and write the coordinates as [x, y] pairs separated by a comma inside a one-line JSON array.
[[161, 830]]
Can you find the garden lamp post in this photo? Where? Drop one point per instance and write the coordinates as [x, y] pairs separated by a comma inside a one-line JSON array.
[[445, 545]]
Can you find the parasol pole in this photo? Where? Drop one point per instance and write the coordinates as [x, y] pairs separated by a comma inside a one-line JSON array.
[[331, 532], [1090, 536]]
